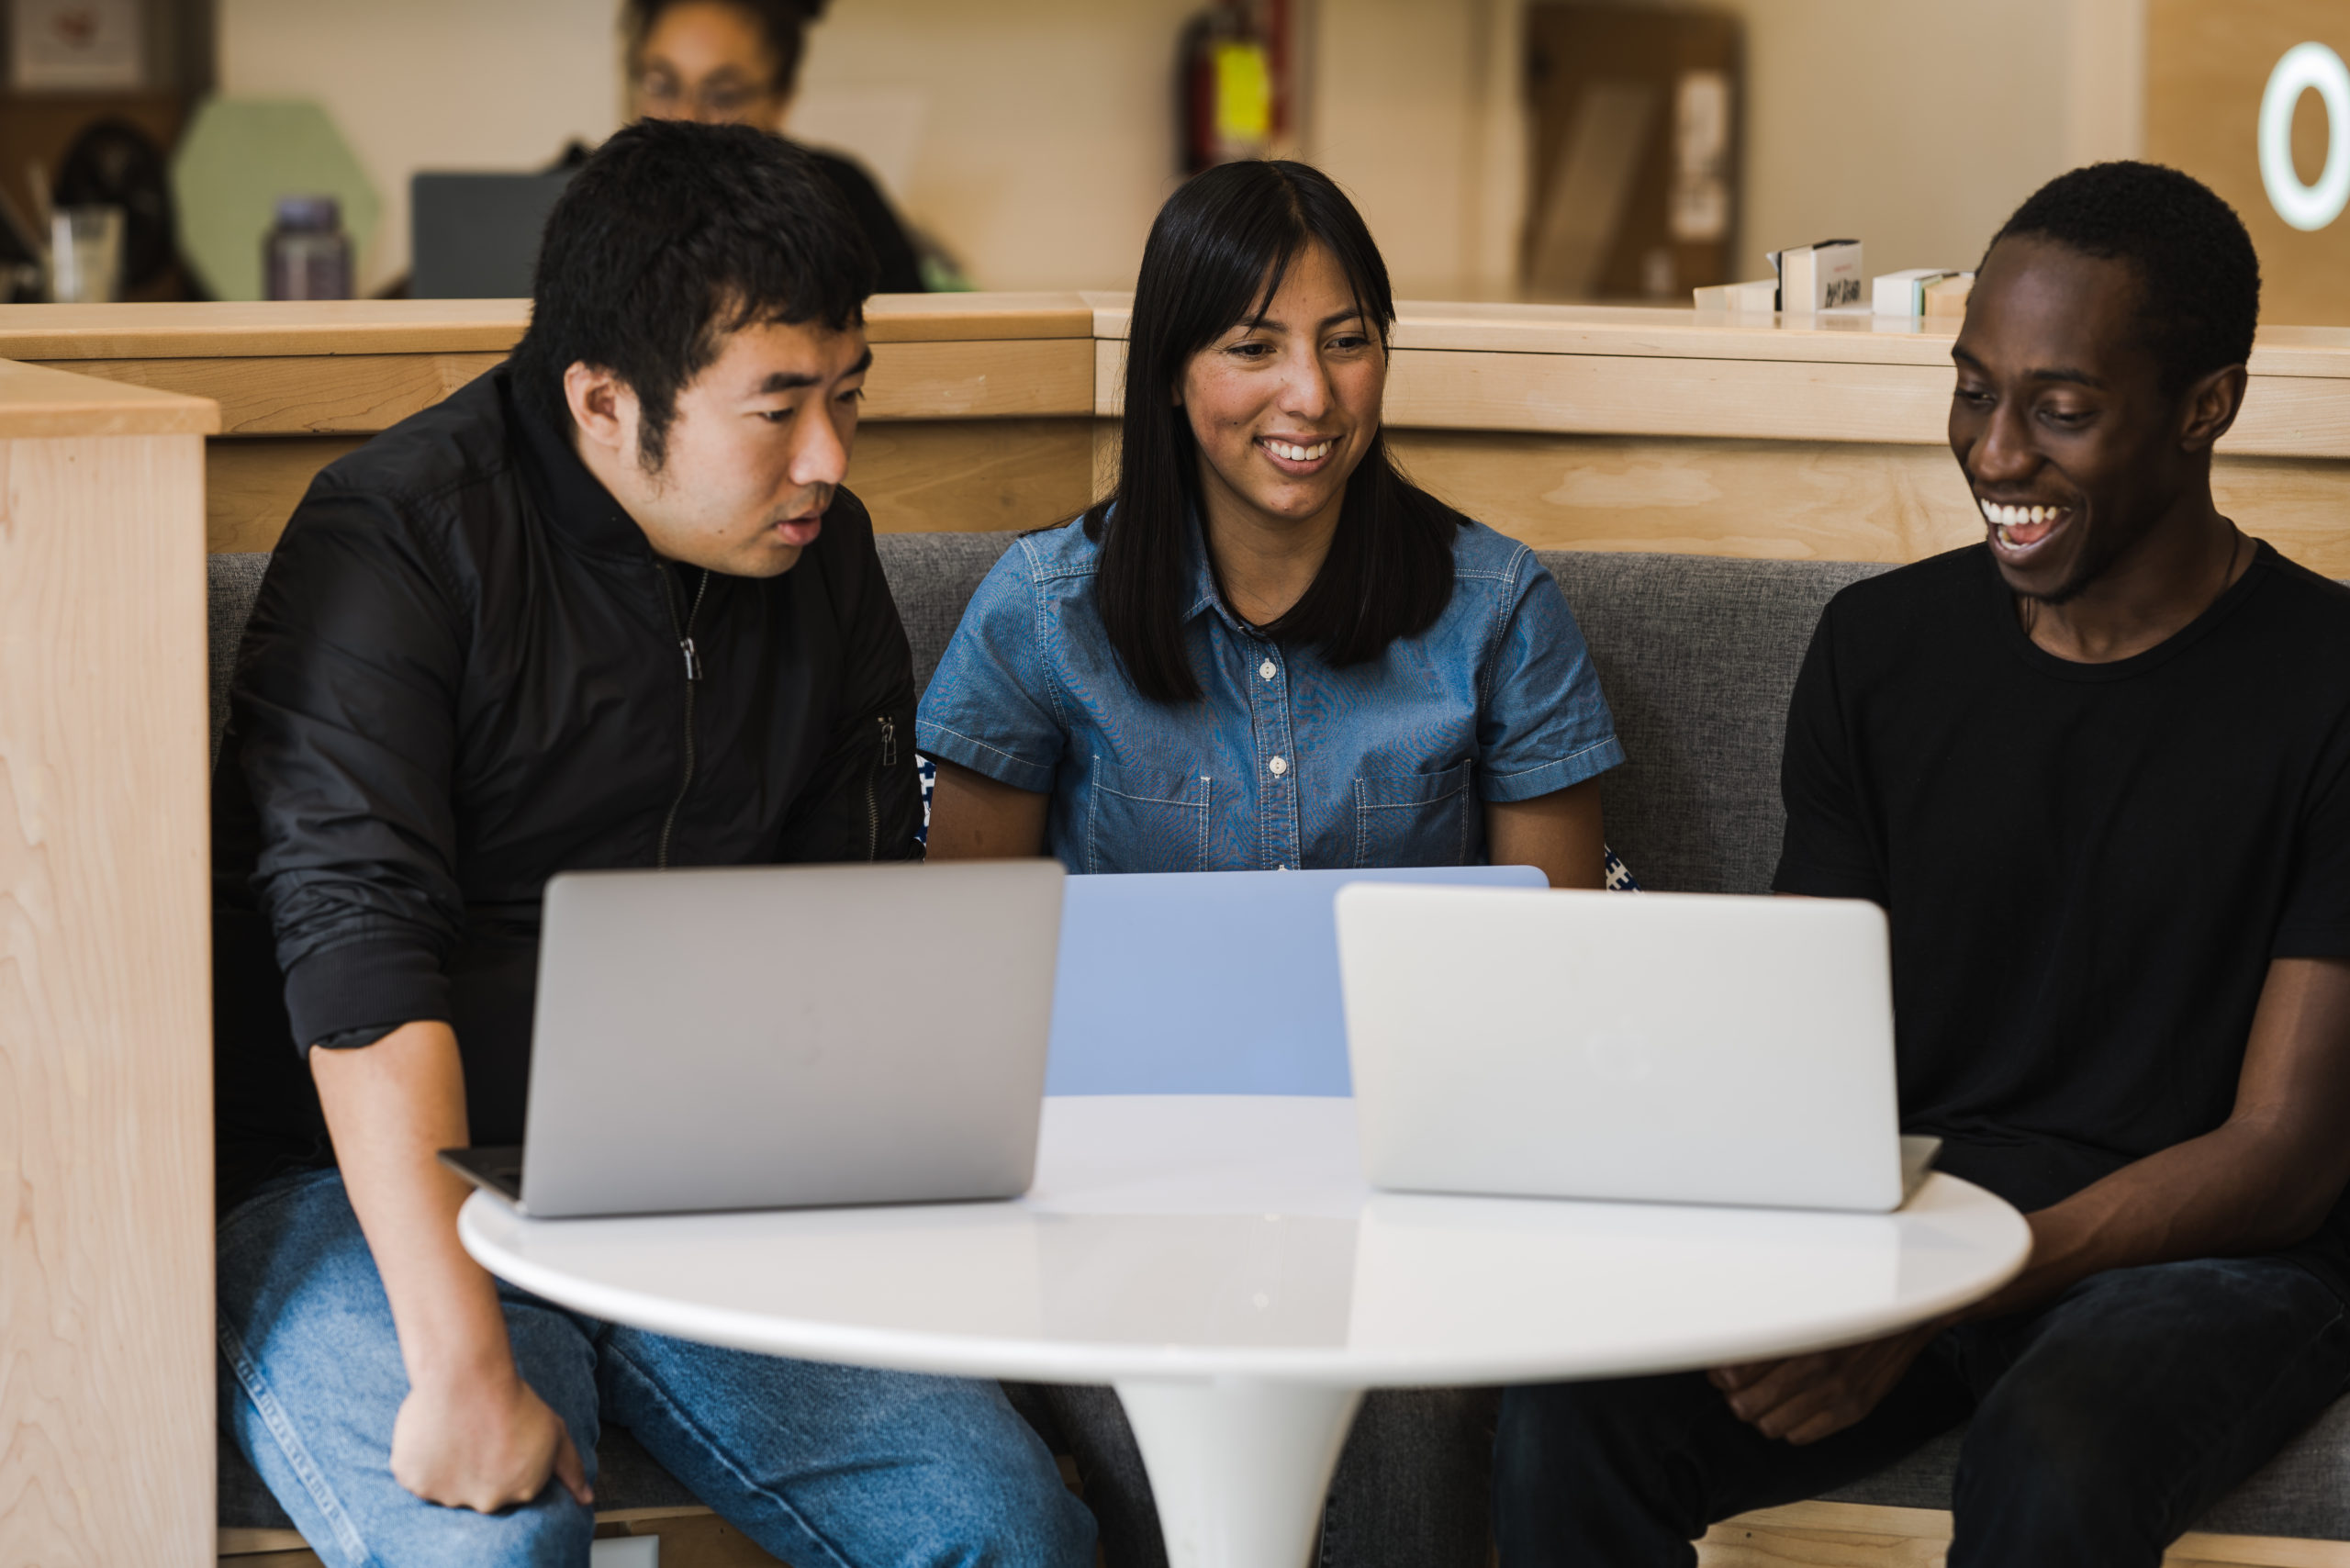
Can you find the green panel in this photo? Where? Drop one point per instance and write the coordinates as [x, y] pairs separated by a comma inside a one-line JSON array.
[[239, 156]]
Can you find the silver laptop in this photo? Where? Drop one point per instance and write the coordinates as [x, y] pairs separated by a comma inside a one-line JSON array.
[[774, 1036], [1670, 1048]]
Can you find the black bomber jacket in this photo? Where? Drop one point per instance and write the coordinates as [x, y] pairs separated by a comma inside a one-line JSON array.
[[466, 671]]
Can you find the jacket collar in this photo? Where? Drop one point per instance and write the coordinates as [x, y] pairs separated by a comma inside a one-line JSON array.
[[574, 499]]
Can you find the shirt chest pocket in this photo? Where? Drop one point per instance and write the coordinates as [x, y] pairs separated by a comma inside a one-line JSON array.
[[1414, 818], [1146, 820]]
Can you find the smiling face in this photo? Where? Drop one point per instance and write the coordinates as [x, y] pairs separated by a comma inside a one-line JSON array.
[[2072, 445], [1283, 409], [759, 444]]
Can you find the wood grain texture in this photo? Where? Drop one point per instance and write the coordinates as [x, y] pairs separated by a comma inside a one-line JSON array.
[[106, 1284], [37, 401], [1799, 501], [253, 484], [360, 394], [2297, 416], [232, 330], [302, 394], [914, 475], [1621, 394], [1854, 1535], [990, 379], [1786, 500], [920, 476], [217, 330]]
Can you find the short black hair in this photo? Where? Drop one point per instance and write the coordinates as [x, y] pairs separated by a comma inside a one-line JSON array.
[[782, 23], [671, 236], [2199, 275], [1215, 258]]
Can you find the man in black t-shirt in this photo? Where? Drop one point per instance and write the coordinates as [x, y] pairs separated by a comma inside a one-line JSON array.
[[2097, 769]]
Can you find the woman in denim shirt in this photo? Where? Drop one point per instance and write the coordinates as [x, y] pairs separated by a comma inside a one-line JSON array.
[[1269, 650]]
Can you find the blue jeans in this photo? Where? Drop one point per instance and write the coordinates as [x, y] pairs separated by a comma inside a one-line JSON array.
[[823, 1466], [2104, 1425]]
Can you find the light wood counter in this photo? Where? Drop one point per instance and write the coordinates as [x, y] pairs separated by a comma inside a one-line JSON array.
[[1594, 428], [106, 1028]]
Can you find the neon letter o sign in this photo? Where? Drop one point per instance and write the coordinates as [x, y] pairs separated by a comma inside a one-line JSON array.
[[2306, 65]]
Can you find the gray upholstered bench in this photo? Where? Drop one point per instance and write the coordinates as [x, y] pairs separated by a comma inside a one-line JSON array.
[[1698, 655]]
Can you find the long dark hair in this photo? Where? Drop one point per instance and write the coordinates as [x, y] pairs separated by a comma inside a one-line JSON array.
[[1215, 258]]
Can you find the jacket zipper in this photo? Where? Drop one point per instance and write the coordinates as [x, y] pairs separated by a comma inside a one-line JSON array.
[[873, 787], [685, 635]]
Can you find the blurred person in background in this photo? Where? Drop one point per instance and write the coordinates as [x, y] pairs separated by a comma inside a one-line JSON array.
[[737, 62]]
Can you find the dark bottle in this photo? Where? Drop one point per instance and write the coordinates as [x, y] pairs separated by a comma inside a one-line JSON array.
[[307, 256]]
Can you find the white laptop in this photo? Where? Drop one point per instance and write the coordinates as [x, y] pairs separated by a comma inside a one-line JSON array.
[[1670, 1048], [775, 1036]]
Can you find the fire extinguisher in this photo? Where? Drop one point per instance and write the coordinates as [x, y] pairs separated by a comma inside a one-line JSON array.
[[1231, 83]]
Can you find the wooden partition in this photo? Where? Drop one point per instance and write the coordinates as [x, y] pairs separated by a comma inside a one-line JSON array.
[[1584, 427], [106, 1029]]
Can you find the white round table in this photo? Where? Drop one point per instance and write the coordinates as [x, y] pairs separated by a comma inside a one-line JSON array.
[[1220, 1260]]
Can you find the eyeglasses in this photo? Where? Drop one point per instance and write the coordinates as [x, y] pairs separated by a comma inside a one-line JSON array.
[[662, 96]]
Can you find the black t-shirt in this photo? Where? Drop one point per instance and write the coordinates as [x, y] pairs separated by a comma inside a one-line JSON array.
[[2087, 867]]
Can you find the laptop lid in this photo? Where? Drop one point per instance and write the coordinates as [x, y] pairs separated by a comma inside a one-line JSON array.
[[475, 235], [771, 1036], [1212, 982], [1672, 1046]]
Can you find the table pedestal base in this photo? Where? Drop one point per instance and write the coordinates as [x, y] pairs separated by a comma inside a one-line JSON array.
[[1239, 1468]]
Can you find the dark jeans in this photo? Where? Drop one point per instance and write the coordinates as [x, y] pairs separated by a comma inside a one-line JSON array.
[[1410, 1492], [2104, 1426]]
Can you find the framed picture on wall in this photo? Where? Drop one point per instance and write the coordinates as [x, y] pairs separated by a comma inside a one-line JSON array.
[[77, 46]]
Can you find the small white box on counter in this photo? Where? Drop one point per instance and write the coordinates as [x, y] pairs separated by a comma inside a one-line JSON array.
[[1824, 275]]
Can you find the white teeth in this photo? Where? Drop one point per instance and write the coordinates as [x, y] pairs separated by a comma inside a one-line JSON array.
[[1997, 514], [1298, 453]]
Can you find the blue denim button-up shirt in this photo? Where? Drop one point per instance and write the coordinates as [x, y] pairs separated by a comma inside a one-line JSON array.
[[1285, 762]]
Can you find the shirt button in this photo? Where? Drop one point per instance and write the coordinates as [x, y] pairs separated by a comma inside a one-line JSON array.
[[1280, 765], [1267, 669]]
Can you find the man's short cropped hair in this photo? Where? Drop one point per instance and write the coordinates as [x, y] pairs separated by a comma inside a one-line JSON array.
[[2199, 276], [672, 236]]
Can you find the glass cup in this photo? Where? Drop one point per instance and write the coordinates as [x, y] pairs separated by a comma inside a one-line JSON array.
[[86, 254]]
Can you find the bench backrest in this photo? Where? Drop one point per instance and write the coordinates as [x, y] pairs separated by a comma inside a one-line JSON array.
[[1698, 655]]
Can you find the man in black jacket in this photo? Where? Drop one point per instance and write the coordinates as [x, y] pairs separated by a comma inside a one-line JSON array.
[[607, 606]]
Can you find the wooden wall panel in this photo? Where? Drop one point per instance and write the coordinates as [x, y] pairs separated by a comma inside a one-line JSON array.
[[105, 1281], [339, 394], [302, 394], [1843, 501], [1802, 500], [2207, 64], [915, 476], [252, 483], [928, 476]]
